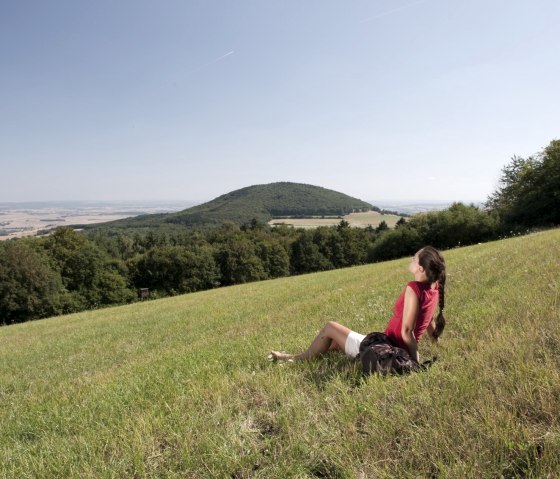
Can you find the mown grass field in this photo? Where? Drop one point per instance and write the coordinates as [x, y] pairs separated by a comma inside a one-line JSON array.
[[181, 387]]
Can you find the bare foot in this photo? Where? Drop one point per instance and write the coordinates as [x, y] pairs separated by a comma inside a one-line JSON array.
[[278, 356]]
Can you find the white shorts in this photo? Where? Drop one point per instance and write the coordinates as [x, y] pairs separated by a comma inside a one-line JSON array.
[[352, 345]]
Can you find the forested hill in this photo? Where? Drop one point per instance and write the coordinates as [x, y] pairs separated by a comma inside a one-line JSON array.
[[261, 202]]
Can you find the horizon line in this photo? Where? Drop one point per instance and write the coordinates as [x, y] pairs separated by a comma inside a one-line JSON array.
[[169, 200]]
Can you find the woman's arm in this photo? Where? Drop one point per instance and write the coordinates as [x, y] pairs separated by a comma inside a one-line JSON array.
[[410, 313]]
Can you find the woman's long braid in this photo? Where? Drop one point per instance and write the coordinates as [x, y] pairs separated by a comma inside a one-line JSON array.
[[434, 266], [440, 320]]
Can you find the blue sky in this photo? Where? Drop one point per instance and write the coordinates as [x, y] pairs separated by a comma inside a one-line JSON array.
[[169, 100]]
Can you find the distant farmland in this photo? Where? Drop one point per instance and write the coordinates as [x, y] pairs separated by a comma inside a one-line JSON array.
[[359, 220]]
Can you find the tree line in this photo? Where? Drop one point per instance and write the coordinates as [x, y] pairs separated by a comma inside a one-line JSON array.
[[69, 271]]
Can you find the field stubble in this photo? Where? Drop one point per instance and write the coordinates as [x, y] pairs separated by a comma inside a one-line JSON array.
[[358, 220], [180, 387]]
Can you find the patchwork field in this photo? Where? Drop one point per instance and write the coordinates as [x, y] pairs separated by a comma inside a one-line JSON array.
[[181, 387], [359, 220], [17, 222]]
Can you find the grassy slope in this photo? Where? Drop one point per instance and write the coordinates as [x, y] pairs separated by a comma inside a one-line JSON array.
[[180, 387]]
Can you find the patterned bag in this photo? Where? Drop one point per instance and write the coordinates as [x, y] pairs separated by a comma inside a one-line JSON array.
[[379, 355]]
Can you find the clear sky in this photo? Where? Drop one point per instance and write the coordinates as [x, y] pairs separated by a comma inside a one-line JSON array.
[[160, 100]]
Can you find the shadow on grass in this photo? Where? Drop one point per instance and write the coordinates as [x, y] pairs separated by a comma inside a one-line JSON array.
[[326, 470], [332, 366], [335, 366]]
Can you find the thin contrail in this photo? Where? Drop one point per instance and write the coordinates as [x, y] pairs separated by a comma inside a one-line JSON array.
[[389, 12], [201, 67], [216, 60]]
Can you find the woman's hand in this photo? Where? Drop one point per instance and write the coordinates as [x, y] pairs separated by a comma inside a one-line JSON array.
[[431, 329]]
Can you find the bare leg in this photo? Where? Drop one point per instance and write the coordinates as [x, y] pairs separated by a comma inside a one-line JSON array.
[[332, 336]]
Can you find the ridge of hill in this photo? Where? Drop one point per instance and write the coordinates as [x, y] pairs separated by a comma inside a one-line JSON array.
[[180, 387], [260, 202]]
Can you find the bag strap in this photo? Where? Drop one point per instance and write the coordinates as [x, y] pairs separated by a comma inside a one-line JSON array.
[[428, 363]]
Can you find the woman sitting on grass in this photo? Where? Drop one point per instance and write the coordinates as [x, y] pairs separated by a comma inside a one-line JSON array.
[[413, 314]]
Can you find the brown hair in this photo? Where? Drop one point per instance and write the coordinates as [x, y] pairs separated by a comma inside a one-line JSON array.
[[434, 265]]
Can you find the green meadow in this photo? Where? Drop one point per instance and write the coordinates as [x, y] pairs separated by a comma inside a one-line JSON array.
[[182, 388]]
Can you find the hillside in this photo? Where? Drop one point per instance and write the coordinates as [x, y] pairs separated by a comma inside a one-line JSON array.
[[262, 202], [181, 387]]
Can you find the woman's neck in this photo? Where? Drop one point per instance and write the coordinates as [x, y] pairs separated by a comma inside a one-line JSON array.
[[425, 280], [421, 277]]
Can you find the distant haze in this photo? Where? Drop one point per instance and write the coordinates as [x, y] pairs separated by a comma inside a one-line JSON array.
[[82, 204], [410, 206]]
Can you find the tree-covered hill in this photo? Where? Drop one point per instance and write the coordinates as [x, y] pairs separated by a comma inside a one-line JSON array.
[[261, 202]]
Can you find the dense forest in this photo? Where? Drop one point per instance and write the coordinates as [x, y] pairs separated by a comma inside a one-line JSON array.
[[69, 271]]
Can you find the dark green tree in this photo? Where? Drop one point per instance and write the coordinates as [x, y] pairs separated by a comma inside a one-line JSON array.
[[175, 269], [238, 261], [29, 286], [87, 271], [343, 225], [381, 227], [274, 257], [458, 225], [110, 287], [75, 256], [395, 243], [529, 190], [306, 256]]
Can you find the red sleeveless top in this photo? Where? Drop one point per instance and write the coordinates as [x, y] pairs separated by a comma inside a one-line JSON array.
[[428, 301]]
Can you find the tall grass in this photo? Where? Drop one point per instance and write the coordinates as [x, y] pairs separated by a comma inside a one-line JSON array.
[[181, 387]]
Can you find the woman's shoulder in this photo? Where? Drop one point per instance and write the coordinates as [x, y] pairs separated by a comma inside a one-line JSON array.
[[416, 286], [421, 288]]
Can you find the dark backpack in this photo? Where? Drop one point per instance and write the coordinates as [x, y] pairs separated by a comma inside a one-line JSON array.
[[379, 355]]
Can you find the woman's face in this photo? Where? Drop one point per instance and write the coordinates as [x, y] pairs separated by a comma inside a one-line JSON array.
[[414, 265]]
